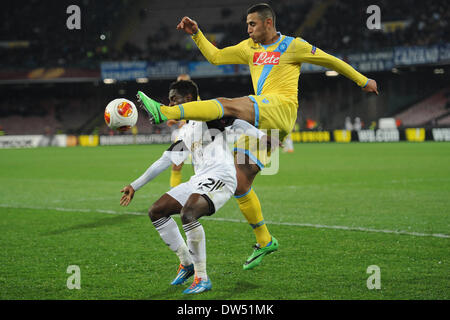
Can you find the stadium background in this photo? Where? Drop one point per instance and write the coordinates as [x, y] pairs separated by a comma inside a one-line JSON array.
[[56, 82]]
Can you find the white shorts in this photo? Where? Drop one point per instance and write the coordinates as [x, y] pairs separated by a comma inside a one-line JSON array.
[[218, 189]]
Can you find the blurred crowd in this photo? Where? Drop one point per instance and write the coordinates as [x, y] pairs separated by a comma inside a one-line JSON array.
[[341, 27], [34, 33]]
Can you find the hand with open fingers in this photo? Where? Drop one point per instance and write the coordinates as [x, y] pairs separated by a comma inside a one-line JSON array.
[[188, 25], [371, 86], [128, 194]]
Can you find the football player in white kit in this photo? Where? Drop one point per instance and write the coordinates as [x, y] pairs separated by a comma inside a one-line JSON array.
[[205, 193]]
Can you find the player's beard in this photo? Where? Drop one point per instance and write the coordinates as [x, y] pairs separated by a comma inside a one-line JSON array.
[[257, 39], [261, 37]]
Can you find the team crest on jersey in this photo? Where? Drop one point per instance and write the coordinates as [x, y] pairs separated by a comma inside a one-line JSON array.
[[313, 50], [266, 58]]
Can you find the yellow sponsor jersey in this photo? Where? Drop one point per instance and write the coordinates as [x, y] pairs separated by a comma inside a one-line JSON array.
[[275, 68]]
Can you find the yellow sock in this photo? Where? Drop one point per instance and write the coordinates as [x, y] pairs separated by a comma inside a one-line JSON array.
[[206, 110], [175, 178], [251, 209]]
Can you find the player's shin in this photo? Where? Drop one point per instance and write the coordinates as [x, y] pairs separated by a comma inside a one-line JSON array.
[[206, 110], [251, 209], [170, 234], [195, 235]]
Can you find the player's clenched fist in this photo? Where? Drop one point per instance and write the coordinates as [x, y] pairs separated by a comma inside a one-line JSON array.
[[188, 25]]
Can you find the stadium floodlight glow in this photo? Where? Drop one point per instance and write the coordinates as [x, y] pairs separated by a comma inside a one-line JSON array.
[[331, 73], [394, 70], [109, 81], [142, 80], [438, 71]]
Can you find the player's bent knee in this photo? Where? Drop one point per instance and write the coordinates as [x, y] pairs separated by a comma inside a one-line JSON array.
[[241, 108], [188, 214], [156, 212], [228, 108]]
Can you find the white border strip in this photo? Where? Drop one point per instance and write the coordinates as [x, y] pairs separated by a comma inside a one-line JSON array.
[[292, 224]]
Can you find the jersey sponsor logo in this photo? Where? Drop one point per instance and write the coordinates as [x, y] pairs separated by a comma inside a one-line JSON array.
[[266, 58]]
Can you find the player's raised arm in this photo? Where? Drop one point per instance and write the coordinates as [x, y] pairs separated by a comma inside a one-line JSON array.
[[228, 55], [308, 53]]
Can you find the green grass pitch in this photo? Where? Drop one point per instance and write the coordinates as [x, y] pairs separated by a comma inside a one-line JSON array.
[[336, 209]]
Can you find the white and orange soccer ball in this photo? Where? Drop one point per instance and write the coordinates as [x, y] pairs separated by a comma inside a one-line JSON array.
[[121, 114]]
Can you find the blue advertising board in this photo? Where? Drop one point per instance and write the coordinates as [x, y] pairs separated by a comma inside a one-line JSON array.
[[383, 60], [124, 70], [415, 55]]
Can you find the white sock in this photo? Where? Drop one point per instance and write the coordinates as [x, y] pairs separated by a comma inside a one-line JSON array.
[[169, 232], [196, 242], [184, 255]]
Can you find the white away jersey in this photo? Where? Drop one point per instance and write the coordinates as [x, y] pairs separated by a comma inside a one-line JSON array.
[[211, 155], [208, 148]]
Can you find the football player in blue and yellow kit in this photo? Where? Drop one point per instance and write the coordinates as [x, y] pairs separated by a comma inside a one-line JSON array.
[[275, 61]]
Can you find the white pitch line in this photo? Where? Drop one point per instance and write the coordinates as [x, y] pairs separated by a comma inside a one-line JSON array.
[[322, 226], [291, 224]]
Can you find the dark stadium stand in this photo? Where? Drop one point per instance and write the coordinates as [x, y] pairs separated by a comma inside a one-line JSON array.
[[427, 111], [48, 41], [34, 39], [424, 23], [154, 36]]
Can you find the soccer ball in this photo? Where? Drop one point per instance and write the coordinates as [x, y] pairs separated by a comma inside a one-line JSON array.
[[121, 114]]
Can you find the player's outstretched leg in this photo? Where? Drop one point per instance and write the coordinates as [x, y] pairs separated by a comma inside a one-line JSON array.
[[205, 110], [168, 229], [196, 110], [152, 107]]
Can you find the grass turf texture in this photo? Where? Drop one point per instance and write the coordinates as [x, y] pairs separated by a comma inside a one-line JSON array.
[[60, 207]]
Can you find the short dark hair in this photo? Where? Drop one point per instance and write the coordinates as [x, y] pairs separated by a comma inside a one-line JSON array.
[[264, 11], [185, 87]]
